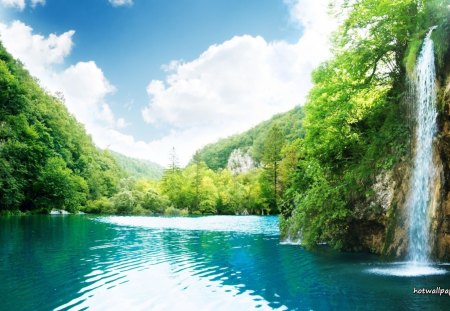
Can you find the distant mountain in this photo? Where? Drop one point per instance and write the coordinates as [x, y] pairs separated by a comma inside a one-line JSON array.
[[138, 168], [216, 155]]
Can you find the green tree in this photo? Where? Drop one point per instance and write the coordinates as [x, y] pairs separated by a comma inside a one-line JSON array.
[[354, 126], [38, 135], [197, 180], [124, 202], [59, 188], [271, 156], [11, 194], [172, 182], [154, 202]]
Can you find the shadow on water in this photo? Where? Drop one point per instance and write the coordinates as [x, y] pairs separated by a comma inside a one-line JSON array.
[[222, 263]]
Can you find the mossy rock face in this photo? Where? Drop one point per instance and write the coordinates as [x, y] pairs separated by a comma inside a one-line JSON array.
[[385, 232], [366, 235], [441, 250], [395, 235], [441, 217], [396, 230], [413, 52], [395, 241], [390, 231]]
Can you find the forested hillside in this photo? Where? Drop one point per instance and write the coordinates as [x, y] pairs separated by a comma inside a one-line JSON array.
[[320, 166], [47, 161], [138, 168], [46, 158], [242, 174], [216, 155], [330, 170]]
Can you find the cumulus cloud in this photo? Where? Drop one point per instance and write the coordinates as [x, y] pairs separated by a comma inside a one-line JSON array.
[[239, 83], [83, 85], [35, 51], [230, 87], [234, 85], [20, 4], [121, 2], [36, 2], [85, 88], [186, 143], [313, 16]]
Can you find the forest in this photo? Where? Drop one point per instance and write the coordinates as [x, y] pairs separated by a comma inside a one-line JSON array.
[[46, 158], [314, 165], [47, 161]]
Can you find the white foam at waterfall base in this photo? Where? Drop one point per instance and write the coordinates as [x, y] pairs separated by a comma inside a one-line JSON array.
[[407, 269], [424, 89], [291, 241]]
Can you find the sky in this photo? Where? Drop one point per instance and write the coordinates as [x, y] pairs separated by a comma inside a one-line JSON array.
[[146, 76]]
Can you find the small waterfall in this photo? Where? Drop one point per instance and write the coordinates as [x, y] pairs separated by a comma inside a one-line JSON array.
[[423, 171]]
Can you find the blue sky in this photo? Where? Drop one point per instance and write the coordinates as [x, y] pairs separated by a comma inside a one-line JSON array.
[[148, 75]]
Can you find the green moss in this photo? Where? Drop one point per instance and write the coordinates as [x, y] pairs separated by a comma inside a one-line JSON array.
[[440, 39], [412, 52], [441, 18], [390, 230]]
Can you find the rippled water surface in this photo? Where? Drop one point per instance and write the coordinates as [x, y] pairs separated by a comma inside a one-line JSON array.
[[203, 263]]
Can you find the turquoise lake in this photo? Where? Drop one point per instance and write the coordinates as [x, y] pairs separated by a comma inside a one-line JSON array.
[[202, 263]]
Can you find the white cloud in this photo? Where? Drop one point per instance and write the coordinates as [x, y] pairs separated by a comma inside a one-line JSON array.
[[235, 85], [36, 2], [35, 51], [228, 88], [121, 2], [121, 123], [186, 143], [83, 85], [313, 16], [20, 4], [239, 83]]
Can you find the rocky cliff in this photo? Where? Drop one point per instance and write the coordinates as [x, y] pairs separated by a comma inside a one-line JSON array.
[[441, 216], [386, 233]]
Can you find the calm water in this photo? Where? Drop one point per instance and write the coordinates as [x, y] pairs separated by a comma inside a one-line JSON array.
[[205, 263]]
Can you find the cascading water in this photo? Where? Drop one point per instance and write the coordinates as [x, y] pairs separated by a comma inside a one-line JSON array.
[[423, 104], [423, 171]]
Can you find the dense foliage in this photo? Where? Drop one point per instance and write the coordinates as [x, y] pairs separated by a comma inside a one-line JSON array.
[[138, 168], [47, 161], [315, 165], [198, 190], [355, 126], [46, 158], [216, 155]]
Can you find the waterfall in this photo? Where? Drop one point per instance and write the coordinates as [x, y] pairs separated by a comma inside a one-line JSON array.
[[423, 170]]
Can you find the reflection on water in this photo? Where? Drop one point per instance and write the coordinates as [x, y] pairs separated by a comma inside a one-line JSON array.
[[202, 263], [247, 224]]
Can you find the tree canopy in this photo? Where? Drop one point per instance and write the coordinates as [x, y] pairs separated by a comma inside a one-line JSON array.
[[46, 158], [355, 125]]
